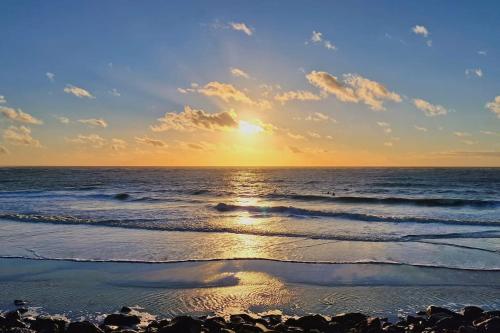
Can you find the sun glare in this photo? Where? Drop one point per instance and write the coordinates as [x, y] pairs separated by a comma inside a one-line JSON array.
[[248, 128]]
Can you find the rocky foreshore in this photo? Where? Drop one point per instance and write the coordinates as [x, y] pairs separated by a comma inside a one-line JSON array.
[[436, 319]]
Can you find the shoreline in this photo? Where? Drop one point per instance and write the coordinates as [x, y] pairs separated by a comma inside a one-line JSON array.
[[470, 319]]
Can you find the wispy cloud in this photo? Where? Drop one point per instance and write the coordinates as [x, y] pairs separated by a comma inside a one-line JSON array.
[[317, 38], [2, 99], [240, 26], [494, 106], [420, 128], [298, 95], [420, 30], [63, 120], [490, 133], [94, 122], [295, 136], [20, 135], [3, 150], [354, 89], [118, 144], [462, 134], [429, 109], [145, 140], [93, 140], [482, 52], [227, 92], [78, 92], [191, 119], [114, 92], [478, 72], [385, 126], [239, 73], [461, 154], [19, 116], [319, 116], [50, 76]]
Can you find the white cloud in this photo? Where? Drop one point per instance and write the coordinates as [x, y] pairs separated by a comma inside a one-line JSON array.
[[63, 120], [494, 106], [19, 116], [239, 73], [385, 126], [354, 89], [3, 150], [78, 92], [318, 116], [20, 135], [227, 92], [317, 37], [191, 119], [118, 144], [429, 43], [299, 95], [388, 144], [490, 133], [114, 92], [50, 76], [429, 109], [94, 122], [314, 135], [482, 52], [295, 136], [420, 30], [420, 128], [240, 26], [145, 140], [462, 134], [468, 142], [2, 99], [474, 72], [93, 140]]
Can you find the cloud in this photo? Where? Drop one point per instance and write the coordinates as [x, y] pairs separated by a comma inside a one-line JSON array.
[[2, 99], [114, 92], [429, 43], [468, 142], [318, 116], [330, 84], [385, 126], [3, 150], [354, 89], [295, 150], [474, 72], [50, 76], [419, 128], [482, 52], [299, 95], [94, 122], [461, 154], [19, 116], [317, 37], [462, 134], [78, 92], [429, 109], [295, 136], [388, 144], [63, 120], [239, 73], [191, 119], [204, 146], [118, 144], [494, 106], [20, 135], [150, 141], [314, 135], [93, 140], [420, 30], [225, 91], [240, 26], [490, 133]]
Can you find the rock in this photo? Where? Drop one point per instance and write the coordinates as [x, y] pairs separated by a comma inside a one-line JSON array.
[[47, 324], [348, 320], [471, 313], [20, 330], [249, 328], [13, 315], [467, 329], [449, 323], [125, 309], [432, 309], [18, 302], [83, 327], [182, 324], [491, 325], [373, 324], [244, 316], [309, 322], [122, 320], [215, 324]]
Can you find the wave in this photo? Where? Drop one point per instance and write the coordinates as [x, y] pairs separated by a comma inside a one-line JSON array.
[[290, 210], [427, 202], [285, 261], [145, 224]]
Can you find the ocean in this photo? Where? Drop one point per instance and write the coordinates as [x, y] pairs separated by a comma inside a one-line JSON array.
[[319, 229]]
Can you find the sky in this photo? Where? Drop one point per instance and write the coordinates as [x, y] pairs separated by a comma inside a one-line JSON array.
[[250, 83]]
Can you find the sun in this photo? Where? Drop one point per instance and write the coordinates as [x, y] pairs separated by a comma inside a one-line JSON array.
[[248, 128]]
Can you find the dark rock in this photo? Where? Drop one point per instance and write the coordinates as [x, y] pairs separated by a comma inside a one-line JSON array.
[[450, 323], [215, 324], [242, 316], [182, 324], [47, 324], [394, 329], [471, 313], [122, 196], [489, 325], [125, 309], [19, 302], [22, 310], [19, 330], [309, 322], [467, 329], [348, 320], [273, 319], [122, 320], [373, 324], [83, 327], [249, 328], [431, 310], [13, 315]]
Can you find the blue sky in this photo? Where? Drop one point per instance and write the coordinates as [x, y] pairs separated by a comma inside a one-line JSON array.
[[145, 51]]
